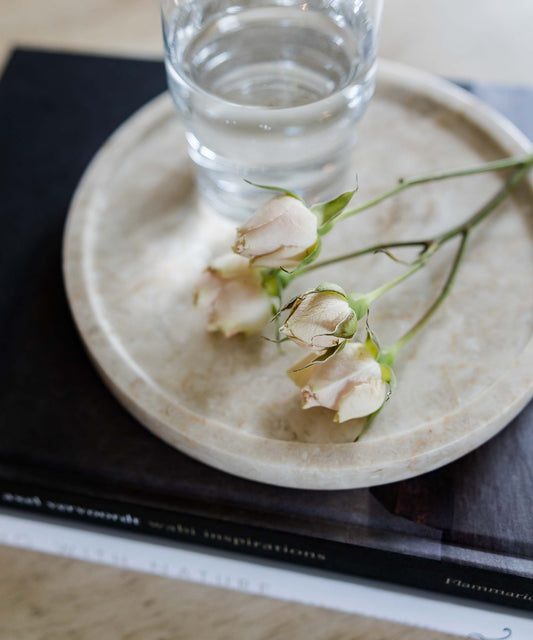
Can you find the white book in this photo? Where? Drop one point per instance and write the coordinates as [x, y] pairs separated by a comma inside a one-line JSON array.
[[267, 578]]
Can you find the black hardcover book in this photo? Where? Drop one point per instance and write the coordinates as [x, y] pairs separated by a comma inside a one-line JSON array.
[[68, 448]]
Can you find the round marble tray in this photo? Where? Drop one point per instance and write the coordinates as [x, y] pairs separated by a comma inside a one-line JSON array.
[[137, 240]]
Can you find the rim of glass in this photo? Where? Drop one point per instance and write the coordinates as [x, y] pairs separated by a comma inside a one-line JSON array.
[[189, 82]]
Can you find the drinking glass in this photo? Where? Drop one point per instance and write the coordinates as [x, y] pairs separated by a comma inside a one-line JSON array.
[[269, 92]]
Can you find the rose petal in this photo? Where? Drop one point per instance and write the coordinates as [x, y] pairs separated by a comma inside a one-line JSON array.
[[286, 257], [360, 400], [239, 308], [232, 293], [314, 319], [279, 234], [350, 382], [301, 373], [231, 265]]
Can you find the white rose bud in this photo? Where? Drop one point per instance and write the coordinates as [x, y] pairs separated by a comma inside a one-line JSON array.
[[281, 233], [232, 294], [320, 320], [350, 383]]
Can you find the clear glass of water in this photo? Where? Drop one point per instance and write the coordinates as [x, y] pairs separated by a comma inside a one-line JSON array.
[[270, 91]]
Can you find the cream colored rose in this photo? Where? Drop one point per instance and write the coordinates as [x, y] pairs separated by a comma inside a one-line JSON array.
[[232, 294], [350, 383], [320, 320], [281, 233]]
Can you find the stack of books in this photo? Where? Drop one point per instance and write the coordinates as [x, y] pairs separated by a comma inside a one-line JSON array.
[[69, 450]]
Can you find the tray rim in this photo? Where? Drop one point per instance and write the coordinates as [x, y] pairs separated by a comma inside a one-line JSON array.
[[264, 463]]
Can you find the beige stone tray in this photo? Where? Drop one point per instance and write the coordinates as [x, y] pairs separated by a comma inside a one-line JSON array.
[[137, 239]]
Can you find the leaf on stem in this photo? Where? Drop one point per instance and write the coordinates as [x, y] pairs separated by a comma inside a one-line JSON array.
[[371, 342], [272, 188], [326, 211], [370, 419], [388, 376], [314, 253], [368, 423], [395, 258], [330, 287]]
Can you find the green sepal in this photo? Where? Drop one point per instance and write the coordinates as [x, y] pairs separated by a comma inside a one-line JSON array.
[[271, 284], [388, 375], [386, 372], [327, 211], [328, 353], [383, 357], [314, 252], [392, 383], [370, 419], [359, 303], [277, 323], [347, 328], [371, 346], [344, 329], [368, 423], [386, 357], [277, 189], [331, 287], [372, 342]]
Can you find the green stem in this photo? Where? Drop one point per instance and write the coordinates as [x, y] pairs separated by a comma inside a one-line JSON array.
[[373, 249], [471, 222], [432, 246], [393, 349], [497, 165], [418, 264], [496, 200], [463, 230]]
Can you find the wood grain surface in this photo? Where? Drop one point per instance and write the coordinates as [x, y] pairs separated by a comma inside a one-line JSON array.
[[44, 597]]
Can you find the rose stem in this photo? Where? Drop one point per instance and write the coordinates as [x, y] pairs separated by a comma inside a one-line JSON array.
[[434, 245], [463, 230], [430, 243], [388, 354], [401, 342], [497, 165], [361, 252]]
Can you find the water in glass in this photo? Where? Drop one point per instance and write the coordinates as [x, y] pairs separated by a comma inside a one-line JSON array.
[[269, 92]]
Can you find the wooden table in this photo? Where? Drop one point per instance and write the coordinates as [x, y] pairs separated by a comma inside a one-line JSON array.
[[45, 597]]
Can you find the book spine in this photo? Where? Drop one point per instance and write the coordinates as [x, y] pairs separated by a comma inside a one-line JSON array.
[[424, 573]]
